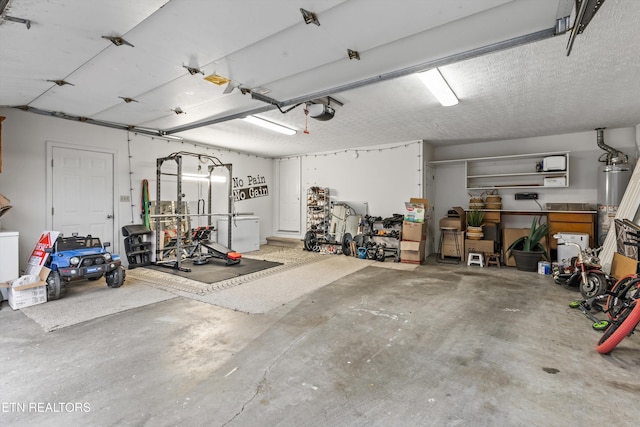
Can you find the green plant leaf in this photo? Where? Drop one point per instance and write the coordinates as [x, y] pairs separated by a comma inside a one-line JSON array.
[[531, 242]]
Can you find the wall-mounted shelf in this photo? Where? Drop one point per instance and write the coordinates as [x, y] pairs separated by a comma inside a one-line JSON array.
[[515, 171]]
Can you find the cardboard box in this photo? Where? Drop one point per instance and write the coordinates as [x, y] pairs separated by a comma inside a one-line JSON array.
[[509, 235], [457, 223], [412, 252], [623, 265], [416, 210], [24, 292], [4, 205], [449, 245], [414, 231], [478, 246]]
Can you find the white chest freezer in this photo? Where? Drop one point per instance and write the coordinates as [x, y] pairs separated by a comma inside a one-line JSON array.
[[566, 252], [245, 232]]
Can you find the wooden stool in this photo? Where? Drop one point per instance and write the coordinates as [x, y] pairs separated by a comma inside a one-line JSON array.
[[492, 259]]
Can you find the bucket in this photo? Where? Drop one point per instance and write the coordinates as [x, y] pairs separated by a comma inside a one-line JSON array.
[[544, 267]]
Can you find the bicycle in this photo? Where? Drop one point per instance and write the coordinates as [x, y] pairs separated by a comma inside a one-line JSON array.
[[622, 301], [627, 319]]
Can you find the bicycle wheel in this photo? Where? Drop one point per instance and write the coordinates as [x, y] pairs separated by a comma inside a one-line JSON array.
[[620, 328], [346, 244], [621, 293], [310, 240]]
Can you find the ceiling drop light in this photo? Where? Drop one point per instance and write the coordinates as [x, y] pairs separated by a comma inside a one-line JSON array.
[[439, 87], [269, 125]]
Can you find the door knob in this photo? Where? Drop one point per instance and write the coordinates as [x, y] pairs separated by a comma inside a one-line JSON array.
[[109, 216]]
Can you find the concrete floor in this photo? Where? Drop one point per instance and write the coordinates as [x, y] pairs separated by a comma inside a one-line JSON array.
[[443, 345]]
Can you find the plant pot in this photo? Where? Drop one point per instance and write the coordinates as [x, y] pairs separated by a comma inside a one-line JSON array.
[[474, 233], [527, 260]]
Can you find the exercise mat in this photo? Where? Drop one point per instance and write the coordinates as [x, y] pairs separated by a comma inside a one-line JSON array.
[[216, 269]]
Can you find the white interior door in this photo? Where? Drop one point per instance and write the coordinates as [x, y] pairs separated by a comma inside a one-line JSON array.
[[82, 199], [289, 200]]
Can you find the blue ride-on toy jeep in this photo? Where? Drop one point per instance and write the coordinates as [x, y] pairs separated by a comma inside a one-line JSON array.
[[78, 257]]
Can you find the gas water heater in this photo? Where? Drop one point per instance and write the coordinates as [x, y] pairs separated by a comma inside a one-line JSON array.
[[613, 176]]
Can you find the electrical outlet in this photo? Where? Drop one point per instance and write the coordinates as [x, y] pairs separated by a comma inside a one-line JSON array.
[[526, 196]]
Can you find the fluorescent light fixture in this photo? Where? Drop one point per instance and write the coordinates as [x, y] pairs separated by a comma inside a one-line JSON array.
[[218, 178], [195, 177], [269, 125], [203, 177], [438, 86]]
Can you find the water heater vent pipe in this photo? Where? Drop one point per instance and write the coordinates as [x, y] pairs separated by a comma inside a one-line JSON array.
[[612, 156]]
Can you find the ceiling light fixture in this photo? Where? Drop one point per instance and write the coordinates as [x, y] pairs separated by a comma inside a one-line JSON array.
[[269, 125], [203, 177], [439, 87], [116, 40]]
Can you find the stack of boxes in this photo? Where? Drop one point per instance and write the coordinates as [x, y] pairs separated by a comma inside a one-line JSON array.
[[414, 232], [458, 221]]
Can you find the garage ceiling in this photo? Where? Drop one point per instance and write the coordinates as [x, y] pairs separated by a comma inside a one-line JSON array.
[[500, 57]]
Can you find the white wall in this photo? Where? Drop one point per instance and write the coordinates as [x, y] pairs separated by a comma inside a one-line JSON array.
[[24, 172], [384, 177], [583, 184]]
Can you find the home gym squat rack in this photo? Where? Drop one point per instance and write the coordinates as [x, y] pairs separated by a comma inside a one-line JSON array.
[[179, 215]]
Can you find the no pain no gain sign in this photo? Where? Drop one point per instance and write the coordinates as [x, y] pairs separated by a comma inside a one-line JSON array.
[[256, 186]]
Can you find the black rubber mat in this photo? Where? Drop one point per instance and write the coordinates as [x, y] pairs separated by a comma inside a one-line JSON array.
[[216, 269]]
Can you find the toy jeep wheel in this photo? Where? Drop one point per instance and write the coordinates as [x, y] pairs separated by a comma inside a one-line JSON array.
[[115, 278], [55, 286]]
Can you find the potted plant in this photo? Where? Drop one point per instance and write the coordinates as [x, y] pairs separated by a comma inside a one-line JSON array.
[[528, 250], [474, 224]]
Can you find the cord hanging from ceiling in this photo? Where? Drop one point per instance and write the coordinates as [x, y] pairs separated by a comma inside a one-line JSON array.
[[306, 120]]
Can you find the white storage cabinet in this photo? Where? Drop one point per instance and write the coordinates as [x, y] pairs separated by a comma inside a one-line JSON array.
[[9, 259]]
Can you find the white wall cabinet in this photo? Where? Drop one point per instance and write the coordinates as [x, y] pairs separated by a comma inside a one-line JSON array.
[[515, 171], [519, 171]]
